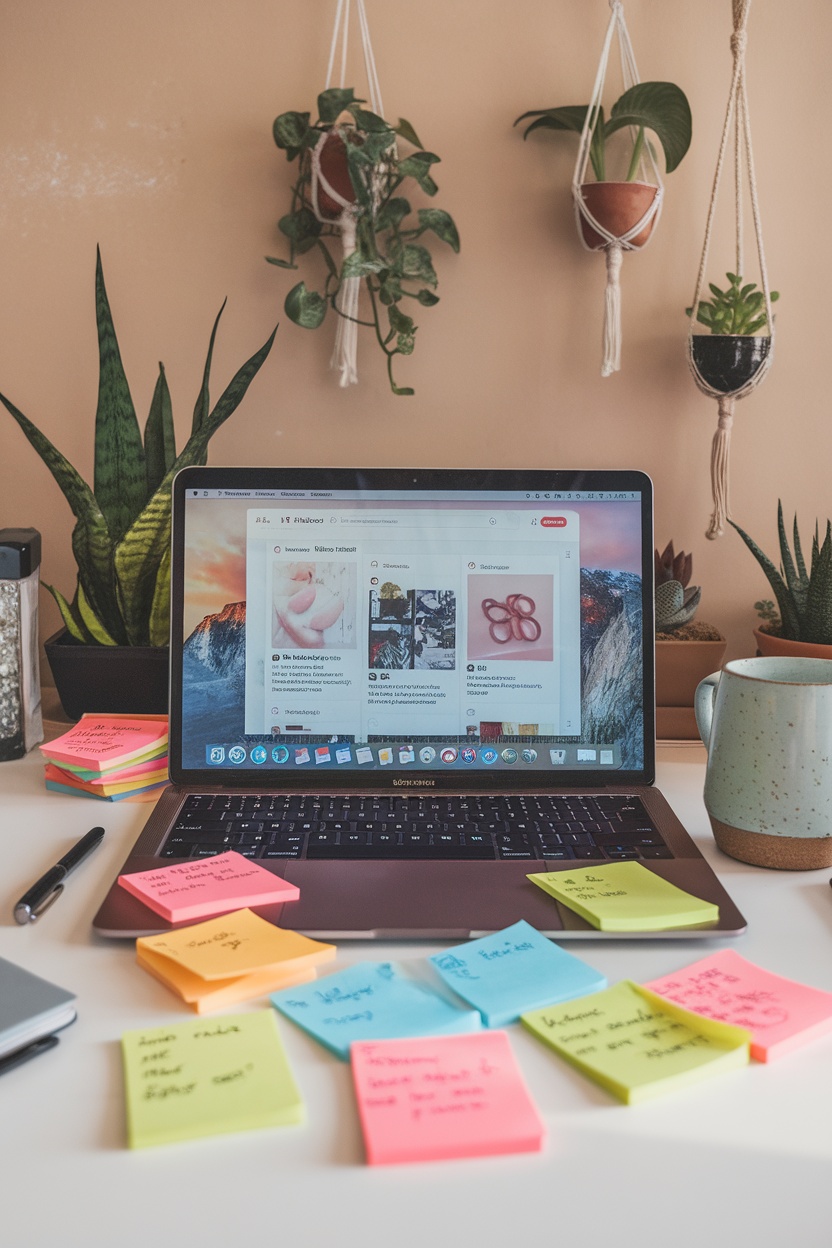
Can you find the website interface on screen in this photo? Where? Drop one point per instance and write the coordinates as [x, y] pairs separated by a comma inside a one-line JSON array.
[[332, 630]]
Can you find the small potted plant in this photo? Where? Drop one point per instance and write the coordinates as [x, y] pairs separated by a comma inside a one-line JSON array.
[[733, 352], [658, 107], [112, 653], [350, 190], [687, 650], [801, 624]]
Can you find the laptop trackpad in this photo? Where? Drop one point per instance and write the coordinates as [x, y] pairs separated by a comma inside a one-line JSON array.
[[414, 900]]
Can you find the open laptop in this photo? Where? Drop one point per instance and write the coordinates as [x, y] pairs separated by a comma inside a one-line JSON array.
[[405, 690]]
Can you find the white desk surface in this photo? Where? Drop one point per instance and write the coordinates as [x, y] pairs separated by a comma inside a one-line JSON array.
[[743, 1158]]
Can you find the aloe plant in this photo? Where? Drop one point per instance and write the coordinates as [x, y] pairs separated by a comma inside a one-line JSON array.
[[739, 309], [121, 539], [392, 264], [804, 595], [660, 107]]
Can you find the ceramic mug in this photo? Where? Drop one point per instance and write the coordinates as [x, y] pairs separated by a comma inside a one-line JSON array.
[[767, 726]]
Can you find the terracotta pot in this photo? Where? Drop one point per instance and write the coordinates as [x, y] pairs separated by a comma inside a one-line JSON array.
[[727, 362], [618, 206], [332, 151], [680, 666], [108, 679], [771, 646]]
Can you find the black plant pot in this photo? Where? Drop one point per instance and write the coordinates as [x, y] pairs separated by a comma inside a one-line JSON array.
[[727, 362], [121, 679]]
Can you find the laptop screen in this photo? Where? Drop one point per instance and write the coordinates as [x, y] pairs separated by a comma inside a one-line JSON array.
[[411, 628]]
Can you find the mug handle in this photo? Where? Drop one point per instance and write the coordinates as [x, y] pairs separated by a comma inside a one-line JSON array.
[[703, 705]]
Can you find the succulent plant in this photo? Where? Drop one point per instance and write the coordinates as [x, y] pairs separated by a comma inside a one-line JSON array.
[[804, 595], [676, 600], [739, 309]]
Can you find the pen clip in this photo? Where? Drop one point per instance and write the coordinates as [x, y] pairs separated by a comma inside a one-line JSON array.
[[48, 900]]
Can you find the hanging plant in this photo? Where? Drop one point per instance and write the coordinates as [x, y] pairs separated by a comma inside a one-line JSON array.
[[350, 197], [618, 216], [733, 353]]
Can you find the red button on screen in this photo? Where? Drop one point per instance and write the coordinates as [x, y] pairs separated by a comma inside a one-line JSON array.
[[553, 522]]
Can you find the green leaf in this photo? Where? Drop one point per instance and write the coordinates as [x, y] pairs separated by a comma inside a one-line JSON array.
[[358, 265], [69, 617], [290, 131], [415, 263], [658, 106], [370, 122], [818, 620], [159, 438], [407, 132], [203, 400], [159, 624], [391, 214], [120, 478], [572, 117], [427, 298], [281, 264], [300, 226], [399, 322], [418, 166], [90, 621], [332, 103], [788, 614], [442, 225], [305, 307], [401, 389]]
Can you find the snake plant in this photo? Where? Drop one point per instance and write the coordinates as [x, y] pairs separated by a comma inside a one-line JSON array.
[[121, 539], [804, 595]]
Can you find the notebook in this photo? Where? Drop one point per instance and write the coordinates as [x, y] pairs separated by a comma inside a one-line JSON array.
[[404, 691]]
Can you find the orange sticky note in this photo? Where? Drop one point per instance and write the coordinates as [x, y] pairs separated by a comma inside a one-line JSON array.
[[208, 886], [435, 1098]]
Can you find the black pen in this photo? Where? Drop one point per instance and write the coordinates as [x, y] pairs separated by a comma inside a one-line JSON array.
[[28, 1051], [50, 886]]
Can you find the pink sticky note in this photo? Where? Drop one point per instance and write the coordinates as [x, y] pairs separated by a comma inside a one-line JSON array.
[[196, 890], [780, 1013], [441, 1097]]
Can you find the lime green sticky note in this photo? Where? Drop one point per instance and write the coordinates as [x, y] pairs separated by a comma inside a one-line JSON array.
[[204, 1078], [626, 897], [636, 1044]]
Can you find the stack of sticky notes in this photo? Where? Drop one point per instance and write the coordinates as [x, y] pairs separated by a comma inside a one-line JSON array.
[[635, 1043], [203, 1078], [626, 897], [186, 891], [216, 964], [443, 1097], [111, 757]]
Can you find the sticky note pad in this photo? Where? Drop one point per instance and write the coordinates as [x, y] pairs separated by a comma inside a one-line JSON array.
[[101, 741], [442, 1097], [626, 897], [512, 971], [780, 1013], [371, 1001], [236, 957], [204, 1078], [195, 890], [636, 1044]]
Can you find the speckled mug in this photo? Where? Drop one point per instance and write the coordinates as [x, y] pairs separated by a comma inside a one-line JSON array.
[[767, 726]]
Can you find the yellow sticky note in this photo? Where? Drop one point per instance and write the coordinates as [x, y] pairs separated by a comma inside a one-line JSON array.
[[636, 1044], [205, 1078], [214, 964], [626, 897]]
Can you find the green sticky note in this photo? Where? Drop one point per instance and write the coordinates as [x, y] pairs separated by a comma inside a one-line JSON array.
[[207, 1077], [636, 1044], [626, 897]]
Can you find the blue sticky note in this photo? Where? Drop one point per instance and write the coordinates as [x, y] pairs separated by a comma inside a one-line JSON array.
[[371, 1001], [502, 974]]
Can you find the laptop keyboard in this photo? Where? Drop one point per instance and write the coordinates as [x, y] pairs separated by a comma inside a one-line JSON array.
[[586, 827]]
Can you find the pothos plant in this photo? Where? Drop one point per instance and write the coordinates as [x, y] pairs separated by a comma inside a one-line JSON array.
[[390, 257]]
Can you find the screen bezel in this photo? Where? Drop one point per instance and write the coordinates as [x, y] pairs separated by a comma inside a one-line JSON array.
[[405, 480]]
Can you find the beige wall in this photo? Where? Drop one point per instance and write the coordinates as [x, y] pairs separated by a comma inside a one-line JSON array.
[[147, 129]]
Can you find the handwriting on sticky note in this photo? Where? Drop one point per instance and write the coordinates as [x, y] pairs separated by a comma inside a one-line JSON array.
[[236, 944], [780, 1013], [512, 971], [198, 1078], [437, 1098], [626, 896], [635, 1043], [192, 890]]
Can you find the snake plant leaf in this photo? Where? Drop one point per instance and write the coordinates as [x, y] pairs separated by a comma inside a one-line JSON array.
[[120, 478], [798, 585], [203, 401], [790, 622], [90, 620], [159, 437], [71, 622], [818, 626], [661, 107], [159, 625], [441, 223]]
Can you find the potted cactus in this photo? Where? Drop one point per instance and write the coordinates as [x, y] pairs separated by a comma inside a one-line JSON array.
[[112, 654], [801, 623], [734, 350], [687, 650]]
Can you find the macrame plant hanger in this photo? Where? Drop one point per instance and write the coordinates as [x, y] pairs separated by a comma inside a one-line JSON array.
[[737, 115], [594, 234], [344, 355]]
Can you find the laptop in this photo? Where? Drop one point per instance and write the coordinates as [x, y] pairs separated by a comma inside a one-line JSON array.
[[406, 690]]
